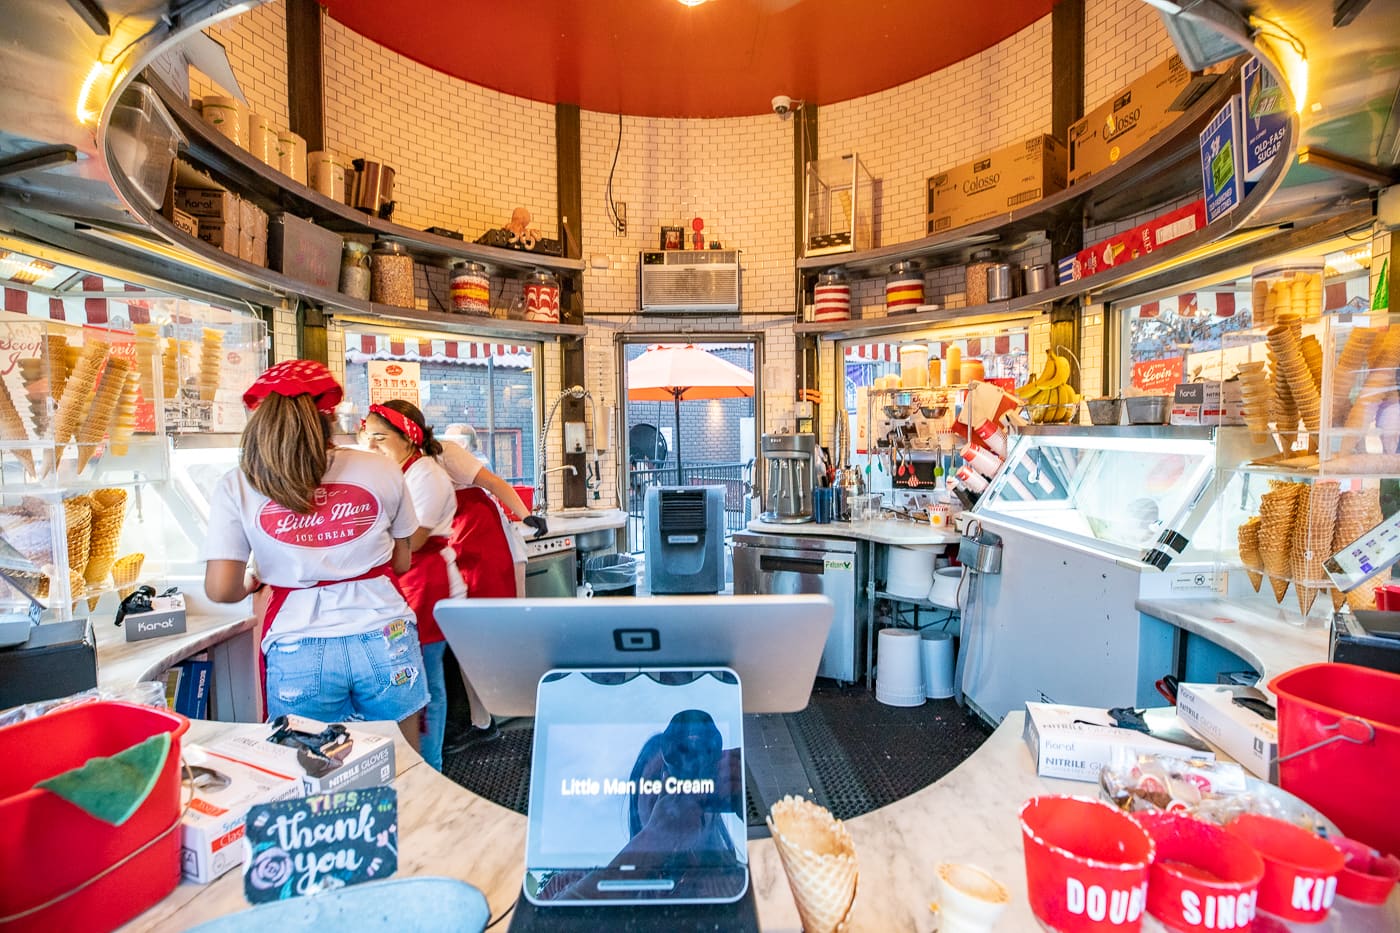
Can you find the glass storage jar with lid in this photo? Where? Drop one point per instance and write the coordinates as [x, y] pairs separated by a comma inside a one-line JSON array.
[[354, 270], [542, 297], [392, 282], [470, 288], [831, 297]]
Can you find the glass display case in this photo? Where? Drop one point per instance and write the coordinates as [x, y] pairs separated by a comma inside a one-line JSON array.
[[840, 206]]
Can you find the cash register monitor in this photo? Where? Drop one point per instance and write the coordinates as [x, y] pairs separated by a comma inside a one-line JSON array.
[[505, 646]]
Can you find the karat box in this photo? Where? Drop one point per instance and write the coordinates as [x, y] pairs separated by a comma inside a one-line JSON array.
[[167, 617], [1207, 403], [1076, 742], [1126, 120], [996, 183], [252, 233], [302, 250], [211, 831], [184, 222], [221, 233], [213, 203], [353, 758], [1212, 713]]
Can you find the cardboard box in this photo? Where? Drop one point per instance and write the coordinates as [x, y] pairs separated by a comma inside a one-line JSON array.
[[1126, 120], [996, 184], [214, 203], [1138, 241], [1068, 742], [167, 617], [1208, 403], [252, 233], [1244, 735], [185, 222], [302, 250], [366, 760], [211, 830]]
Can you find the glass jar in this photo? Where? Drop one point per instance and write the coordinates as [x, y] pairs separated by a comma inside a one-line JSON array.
[[976, 276], [470, 288], [904, 289], [831, 297], [354, 270], [392, 281], [542, 297]]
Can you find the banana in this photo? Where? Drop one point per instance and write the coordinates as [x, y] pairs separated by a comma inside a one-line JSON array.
[[1061, 374]]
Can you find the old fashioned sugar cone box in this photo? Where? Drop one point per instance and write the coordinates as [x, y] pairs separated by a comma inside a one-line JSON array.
[[820, 861]]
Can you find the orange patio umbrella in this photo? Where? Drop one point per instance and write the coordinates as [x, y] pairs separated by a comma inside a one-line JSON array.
[[680, 372]]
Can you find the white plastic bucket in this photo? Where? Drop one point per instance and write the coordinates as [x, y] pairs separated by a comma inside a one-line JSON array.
[[936, 649], [899, 672]]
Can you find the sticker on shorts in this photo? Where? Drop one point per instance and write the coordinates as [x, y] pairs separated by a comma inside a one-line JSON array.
[[404, 675], [395, 630]]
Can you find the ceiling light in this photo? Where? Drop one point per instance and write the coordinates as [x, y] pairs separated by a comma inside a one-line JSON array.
[[691, 2]]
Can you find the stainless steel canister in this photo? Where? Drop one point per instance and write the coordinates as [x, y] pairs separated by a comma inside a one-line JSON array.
[[1000, 286], [1037, 277]]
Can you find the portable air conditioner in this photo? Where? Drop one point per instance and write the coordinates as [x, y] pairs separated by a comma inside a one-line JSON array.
[[685, 539], [689, 280]]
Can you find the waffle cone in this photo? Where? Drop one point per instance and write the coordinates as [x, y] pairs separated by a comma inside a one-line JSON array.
[[1284, 341], [1364, 596], [77, 588], [1307, 595], [56, 352], [1314, 524], [126, 570], [819, 859], [1276, 518], [124, 424], [1312, 357], [108, 513], [104, 408], [77, 394], [1350, 364], [1339, 598], [1375, 389], [12, 427], [77, 514], [1248, 535]]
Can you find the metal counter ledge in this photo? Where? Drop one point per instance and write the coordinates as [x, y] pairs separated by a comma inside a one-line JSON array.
[[879, 531]]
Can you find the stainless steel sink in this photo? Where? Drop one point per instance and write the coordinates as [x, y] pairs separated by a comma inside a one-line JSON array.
[[576, 511]]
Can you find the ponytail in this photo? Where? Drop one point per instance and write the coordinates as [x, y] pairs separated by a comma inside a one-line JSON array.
[[285, 450]]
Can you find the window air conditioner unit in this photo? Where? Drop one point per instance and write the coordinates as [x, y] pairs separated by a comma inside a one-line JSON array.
[[689, 280]]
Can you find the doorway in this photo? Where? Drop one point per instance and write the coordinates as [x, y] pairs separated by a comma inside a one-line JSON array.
[[690, 420]]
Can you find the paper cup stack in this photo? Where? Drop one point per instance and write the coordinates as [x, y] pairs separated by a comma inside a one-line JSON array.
[[211, 354], [1276, 513], [1256, 393], [1314, 523], [820, 861], [1357, 513], [1248, 534]]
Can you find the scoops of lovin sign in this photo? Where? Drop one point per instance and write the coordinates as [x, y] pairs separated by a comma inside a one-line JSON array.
[[1220, 162]]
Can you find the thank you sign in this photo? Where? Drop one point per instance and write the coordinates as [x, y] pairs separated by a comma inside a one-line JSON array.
[[319, 843]]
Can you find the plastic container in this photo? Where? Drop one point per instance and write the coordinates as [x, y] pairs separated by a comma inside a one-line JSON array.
[[831, 297], [1086, 865], [143, 140], [946, 583], [899, 679], [1300, 868], [1339, 746], [913, 365], [55, 847], [354, 270], [1367, 877], [1293, 287], [1202, 877], [939, 660], [982, 460], [909, 572], [424, 905], [611, 574]]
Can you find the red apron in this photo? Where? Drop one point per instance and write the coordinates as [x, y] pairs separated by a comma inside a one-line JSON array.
[[425, 583], [483, 551]]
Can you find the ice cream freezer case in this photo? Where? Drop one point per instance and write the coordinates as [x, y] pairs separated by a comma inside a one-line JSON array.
[[1091, 519]]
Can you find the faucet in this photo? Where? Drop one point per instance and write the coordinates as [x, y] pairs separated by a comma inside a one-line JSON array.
[[594, 474], [541, 505]]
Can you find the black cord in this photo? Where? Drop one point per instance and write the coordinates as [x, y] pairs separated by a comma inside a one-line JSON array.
[[612, 206], [504, 914]]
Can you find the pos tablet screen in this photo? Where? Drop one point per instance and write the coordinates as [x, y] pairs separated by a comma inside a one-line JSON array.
[[637, 789]]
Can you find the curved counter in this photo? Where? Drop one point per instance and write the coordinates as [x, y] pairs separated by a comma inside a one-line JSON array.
[[879, 531]]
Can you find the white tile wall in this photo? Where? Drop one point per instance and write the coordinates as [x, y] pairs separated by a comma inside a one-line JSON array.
[[1122, 40], [257, 49]]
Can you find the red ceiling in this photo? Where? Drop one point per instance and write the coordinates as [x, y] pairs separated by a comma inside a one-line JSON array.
[[658, 58]]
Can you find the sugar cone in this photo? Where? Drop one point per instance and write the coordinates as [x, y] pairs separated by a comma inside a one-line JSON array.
[[1248, 535], [78, 394], [124, 424], [12, 428], [108, 514], [104, 408], [819, 859], [126, 571], [77, 514], [1339, 599]]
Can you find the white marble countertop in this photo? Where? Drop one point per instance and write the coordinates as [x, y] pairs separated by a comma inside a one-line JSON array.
[[578, 521], [1257, 631], [122, 663], [881, 531]]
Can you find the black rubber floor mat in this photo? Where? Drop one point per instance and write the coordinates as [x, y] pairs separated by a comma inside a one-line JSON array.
[[499, 770]]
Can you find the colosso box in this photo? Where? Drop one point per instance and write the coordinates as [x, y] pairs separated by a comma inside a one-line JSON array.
[[167, 617], [357, 758], [211, 831], [1126, 120], [304, 251], [996, 183], [1076, 742], [1212, 713], [1207, 403]]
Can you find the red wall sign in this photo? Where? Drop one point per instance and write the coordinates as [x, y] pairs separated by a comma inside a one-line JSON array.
[[1158, 376]]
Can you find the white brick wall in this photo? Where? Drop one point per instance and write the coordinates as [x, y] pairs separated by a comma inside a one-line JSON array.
[[1122, 40], [257, 49]]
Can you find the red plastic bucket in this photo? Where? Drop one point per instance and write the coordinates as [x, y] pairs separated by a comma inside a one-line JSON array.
[[1367, 877], [1202, 878], [1300, 868], [1339, 746], [1086, 865], [48, 847]]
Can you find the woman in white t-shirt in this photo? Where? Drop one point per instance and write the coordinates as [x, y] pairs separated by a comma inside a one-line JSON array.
[[326, 528], [396, 430]]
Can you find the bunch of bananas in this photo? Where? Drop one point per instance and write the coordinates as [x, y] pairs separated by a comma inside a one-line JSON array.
[[1050, 399]]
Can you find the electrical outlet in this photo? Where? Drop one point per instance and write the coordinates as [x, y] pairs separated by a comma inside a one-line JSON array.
[[621, 228]]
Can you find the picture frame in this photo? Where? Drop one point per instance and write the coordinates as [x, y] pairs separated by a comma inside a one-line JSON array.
[[673, 238]]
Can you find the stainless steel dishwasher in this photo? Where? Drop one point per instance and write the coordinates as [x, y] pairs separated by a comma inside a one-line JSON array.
[[551, 567], [791, 564]]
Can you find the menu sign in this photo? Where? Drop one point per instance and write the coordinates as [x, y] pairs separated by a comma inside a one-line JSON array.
[[320, 843], [1265, 118], [1158, 377], [1220, 162], [390, 379]]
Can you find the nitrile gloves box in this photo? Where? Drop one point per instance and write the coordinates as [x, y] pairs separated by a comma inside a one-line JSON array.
[[348, 758], [1076, 742], [1211, 711], [211, 830]]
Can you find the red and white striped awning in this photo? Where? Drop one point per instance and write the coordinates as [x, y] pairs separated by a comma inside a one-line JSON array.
[[362, 347], [103, 311], [872, 353]]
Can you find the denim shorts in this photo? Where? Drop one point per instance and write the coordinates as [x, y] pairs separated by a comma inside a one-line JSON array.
[[378, 675]]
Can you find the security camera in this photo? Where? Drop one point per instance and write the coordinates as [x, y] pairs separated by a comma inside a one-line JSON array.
[[782, 105]]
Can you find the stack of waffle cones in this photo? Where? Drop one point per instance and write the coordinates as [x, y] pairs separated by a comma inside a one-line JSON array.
[[820, 861], [1276, 514], [147, 348], [1291, 370], [77, 517], [78, 393], [126, 570], [1314, 524], [103, 410], [1350, 363], [1312, 356], [12, 427], [124, 425], [1248, 535], [170, 369], [1256, 393], [108, 513], [1377, 388], [211, 355], [1357, 513]]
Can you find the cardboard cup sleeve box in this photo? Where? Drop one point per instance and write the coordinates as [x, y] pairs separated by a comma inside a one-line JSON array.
[[211, 830], [252, 233], [1212, 713], [360, 759], [1077, 742], [996, 183]]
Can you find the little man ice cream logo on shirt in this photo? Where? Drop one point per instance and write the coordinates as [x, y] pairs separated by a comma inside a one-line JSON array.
[[343, 513]]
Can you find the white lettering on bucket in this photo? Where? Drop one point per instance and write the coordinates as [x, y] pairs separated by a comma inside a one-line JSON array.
[[1217, 911], [1094, 902], [1313, 893]]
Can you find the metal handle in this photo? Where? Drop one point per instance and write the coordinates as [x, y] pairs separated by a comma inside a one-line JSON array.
[[1366, 734]]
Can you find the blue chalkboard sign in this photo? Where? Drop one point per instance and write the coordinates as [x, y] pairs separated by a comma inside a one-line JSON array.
[[320, 843]]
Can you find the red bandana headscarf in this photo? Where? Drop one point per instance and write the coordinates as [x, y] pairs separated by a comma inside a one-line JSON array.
[[405, 425], [293, 378]]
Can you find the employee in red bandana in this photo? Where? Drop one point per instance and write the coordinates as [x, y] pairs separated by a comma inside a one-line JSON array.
[[327, 528], [397, 430]]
